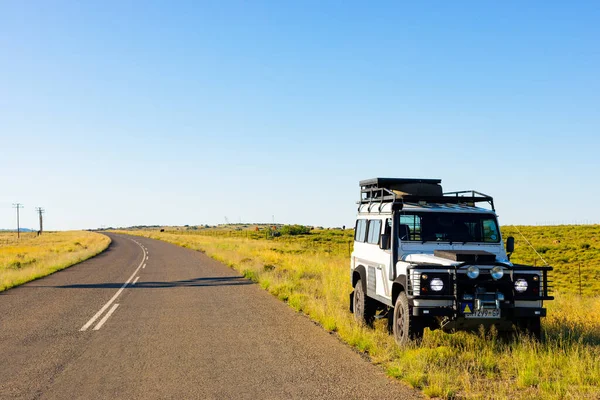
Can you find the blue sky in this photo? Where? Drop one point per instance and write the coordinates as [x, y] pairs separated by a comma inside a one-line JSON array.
[[122, 113]]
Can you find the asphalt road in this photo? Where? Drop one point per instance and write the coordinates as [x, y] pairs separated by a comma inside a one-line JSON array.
[[184, 326]]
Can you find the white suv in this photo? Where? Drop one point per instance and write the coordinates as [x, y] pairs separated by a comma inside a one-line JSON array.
[[424, 258]]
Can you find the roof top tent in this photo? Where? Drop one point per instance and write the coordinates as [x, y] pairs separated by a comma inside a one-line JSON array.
[[418, 191]]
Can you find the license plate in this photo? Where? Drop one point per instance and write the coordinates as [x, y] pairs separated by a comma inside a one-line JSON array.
[[491, 313]]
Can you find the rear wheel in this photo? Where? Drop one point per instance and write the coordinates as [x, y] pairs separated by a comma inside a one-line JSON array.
[[364, 311], [406, 327]]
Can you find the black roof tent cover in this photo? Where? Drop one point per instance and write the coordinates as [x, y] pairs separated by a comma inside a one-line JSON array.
[[389, 182], [416, 190], [402, 187]]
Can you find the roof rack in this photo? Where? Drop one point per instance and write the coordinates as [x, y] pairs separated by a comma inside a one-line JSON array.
[[390, 190], [470, 196]]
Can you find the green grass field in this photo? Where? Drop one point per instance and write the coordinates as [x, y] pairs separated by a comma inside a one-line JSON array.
[[31, 257], [311, 273], [566, 248]]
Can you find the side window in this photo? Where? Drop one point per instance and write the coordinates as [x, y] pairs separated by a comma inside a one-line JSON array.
[[409, 227], [361, 227], [374, 231]]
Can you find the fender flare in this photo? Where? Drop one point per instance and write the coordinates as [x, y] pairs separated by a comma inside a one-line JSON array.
[[398, 287], [360, 273]]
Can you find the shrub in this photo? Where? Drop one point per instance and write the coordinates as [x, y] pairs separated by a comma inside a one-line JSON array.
[[269, 267], [543, 249], [294, 230]]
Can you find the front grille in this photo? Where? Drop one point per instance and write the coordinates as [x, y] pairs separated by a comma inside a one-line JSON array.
[[483, 280], [485, 285]]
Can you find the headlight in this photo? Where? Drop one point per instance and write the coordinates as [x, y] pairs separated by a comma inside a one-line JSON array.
[[497, 272], [436, 284], [472, 272], [521, 285]]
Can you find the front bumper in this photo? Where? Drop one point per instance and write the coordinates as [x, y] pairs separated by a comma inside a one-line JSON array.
[[510, 313], [433, 312], [528, 312]]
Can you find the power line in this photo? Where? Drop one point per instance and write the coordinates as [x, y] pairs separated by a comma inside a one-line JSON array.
[[41, 211], [18, 206], [530, 245]]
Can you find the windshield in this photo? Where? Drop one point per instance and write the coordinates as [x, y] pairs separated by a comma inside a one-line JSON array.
[[448, 227]]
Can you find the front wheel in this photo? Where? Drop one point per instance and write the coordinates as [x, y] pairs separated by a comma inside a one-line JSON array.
[[532, 326], [364, 312], [406, 327]]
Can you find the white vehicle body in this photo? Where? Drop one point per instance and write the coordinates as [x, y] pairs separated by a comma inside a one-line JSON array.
[[390, 257]]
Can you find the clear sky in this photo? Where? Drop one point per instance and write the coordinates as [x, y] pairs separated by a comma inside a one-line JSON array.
[[119, 113]]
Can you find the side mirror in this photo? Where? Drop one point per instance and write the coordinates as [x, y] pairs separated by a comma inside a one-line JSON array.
[[384, 243], [510, 245]]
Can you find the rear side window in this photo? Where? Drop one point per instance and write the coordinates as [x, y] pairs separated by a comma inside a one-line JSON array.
[[361, 230], [374, 231]]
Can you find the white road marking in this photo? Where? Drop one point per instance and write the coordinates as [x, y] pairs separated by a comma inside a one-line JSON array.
[[135, 280], [144, 266], [99, 313], [106, 317], [146, 257]]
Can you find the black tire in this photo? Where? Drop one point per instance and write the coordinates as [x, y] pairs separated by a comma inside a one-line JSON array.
[[534, 328], [531, 326], [364, 312], [407, 328], [506, 336]]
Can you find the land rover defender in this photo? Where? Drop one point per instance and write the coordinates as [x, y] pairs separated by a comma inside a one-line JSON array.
[[424, 258]]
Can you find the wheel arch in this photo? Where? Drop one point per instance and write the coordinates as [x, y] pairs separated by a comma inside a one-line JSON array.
[[360, 273], [398, 287]]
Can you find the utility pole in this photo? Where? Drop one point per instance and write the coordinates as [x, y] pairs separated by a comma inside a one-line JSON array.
[[18, 206], [41, 211]]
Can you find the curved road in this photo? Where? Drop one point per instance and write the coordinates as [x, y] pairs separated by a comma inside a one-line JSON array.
[[150, 320]]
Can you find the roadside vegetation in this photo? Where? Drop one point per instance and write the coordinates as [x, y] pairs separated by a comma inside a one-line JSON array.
[[31, 257], [310, 271]]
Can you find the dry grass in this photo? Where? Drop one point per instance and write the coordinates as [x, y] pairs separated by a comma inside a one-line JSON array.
[[311, 274], [33, 257]]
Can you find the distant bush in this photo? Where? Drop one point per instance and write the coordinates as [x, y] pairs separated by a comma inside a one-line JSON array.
[[268, 267], [542, 249], [294, 230]]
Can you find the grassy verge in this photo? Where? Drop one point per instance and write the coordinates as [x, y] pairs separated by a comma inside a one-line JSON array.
[[33, 257], [311, 274]]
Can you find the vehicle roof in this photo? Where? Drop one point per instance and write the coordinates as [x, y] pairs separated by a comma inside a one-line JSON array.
[[386, 208], [447, 208]]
